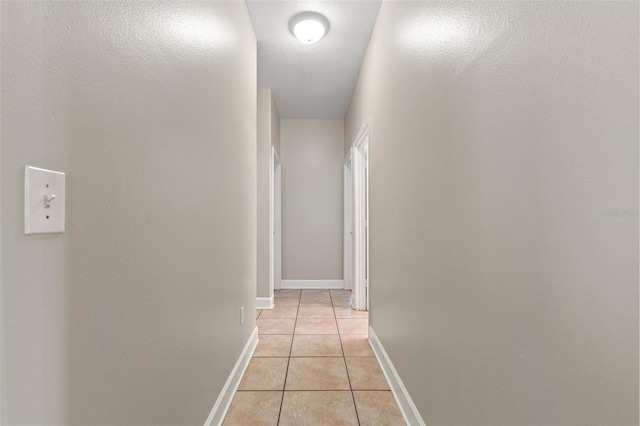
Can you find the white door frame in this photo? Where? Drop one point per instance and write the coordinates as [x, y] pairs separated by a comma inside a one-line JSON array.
[[275, 222], [1, 313], [347, 263], [361, 155]]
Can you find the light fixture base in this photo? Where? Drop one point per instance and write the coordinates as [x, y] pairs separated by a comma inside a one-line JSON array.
[[309, 27]]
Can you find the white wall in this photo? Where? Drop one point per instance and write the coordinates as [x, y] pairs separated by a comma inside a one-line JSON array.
[[503, 134], [268, 136], [275, 125], [132, 315], [312, 157]]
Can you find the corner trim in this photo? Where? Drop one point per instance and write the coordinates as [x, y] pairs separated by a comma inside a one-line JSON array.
[[312, 284], [227, 393], [407, 407], [264, 302]]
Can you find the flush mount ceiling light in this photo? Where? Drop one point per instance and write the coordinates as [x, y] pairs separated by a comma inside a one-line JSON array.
[[309, 27]]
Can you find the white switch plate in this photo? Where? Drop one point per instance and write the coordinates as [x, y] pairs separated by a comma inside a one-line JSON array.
[[38, 184]]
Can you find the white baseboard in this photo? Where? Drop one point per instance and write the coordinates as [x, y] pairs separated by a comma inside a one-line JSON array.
[[312, 284], [223, 402], [407, 407], [264, 302]]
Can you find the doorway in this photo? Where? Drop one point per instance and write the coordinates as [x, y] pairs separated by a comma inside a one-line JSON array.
[[275, 222], [360, 159]]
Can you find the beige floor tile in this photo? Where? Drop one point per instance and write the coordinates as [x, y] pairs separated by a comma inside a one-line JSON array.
[[341, 302], [377, 408], [317, 409], [273, 345], [365, 374], [315, 293], [349, 313], [352, 326], [340, 293], [280, 312], [286, 293], [315, 312], [316, 345], [356, 345], [265, 374], [315, 302], [275, 326], [317, 374], [258, 312], [286, 301], [254, 408], [316, 326]]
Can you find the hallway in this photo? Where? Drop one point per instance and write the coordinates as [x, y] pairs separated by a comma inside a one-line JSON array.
[[313, 347], [202, 154]]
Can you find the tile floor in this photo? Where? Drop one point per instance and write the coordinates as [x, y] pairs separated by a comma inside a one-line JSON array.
[[313, 366]]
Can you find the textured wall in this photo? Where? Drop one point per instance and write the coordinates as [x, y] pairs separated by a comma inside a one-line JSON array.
[[312, 158], [504, 134], [132, 315]]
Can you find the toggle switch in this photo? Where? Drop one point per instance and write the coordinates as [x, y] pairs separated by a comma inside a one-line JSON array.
[[48, 198], [44, 195]]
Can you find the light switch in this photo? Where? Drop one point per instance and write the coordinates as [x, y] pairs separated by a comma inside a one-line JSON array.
[[43, 201]]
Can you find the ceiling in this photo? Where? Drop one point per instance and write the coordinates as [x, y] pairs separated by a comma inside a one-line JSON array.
[[311, 80]]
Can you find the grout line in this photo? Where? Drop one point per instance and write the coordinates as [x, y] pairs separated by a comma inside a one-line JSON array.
[[324, 356], [320, 356], [344, 359], [284, 385], [310, 334], [311, 390]]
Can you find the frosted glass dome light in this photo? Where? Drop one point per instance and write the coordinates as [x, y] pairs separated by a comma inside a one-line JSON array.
[[309, 27]]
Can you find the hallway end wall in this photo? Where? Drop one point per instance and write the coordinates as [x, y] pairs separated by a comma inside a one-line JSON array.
[[132, 316], [504, 197], [312, 157]]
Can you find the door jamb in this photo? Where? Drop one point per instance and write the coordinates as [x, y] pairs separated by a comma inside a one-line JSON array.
[[347, 258], [361, 209], [274, 164]]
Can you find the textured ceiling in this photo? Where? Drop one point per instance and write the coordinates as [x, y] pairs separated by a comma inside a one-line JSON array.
[[316, 80]]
